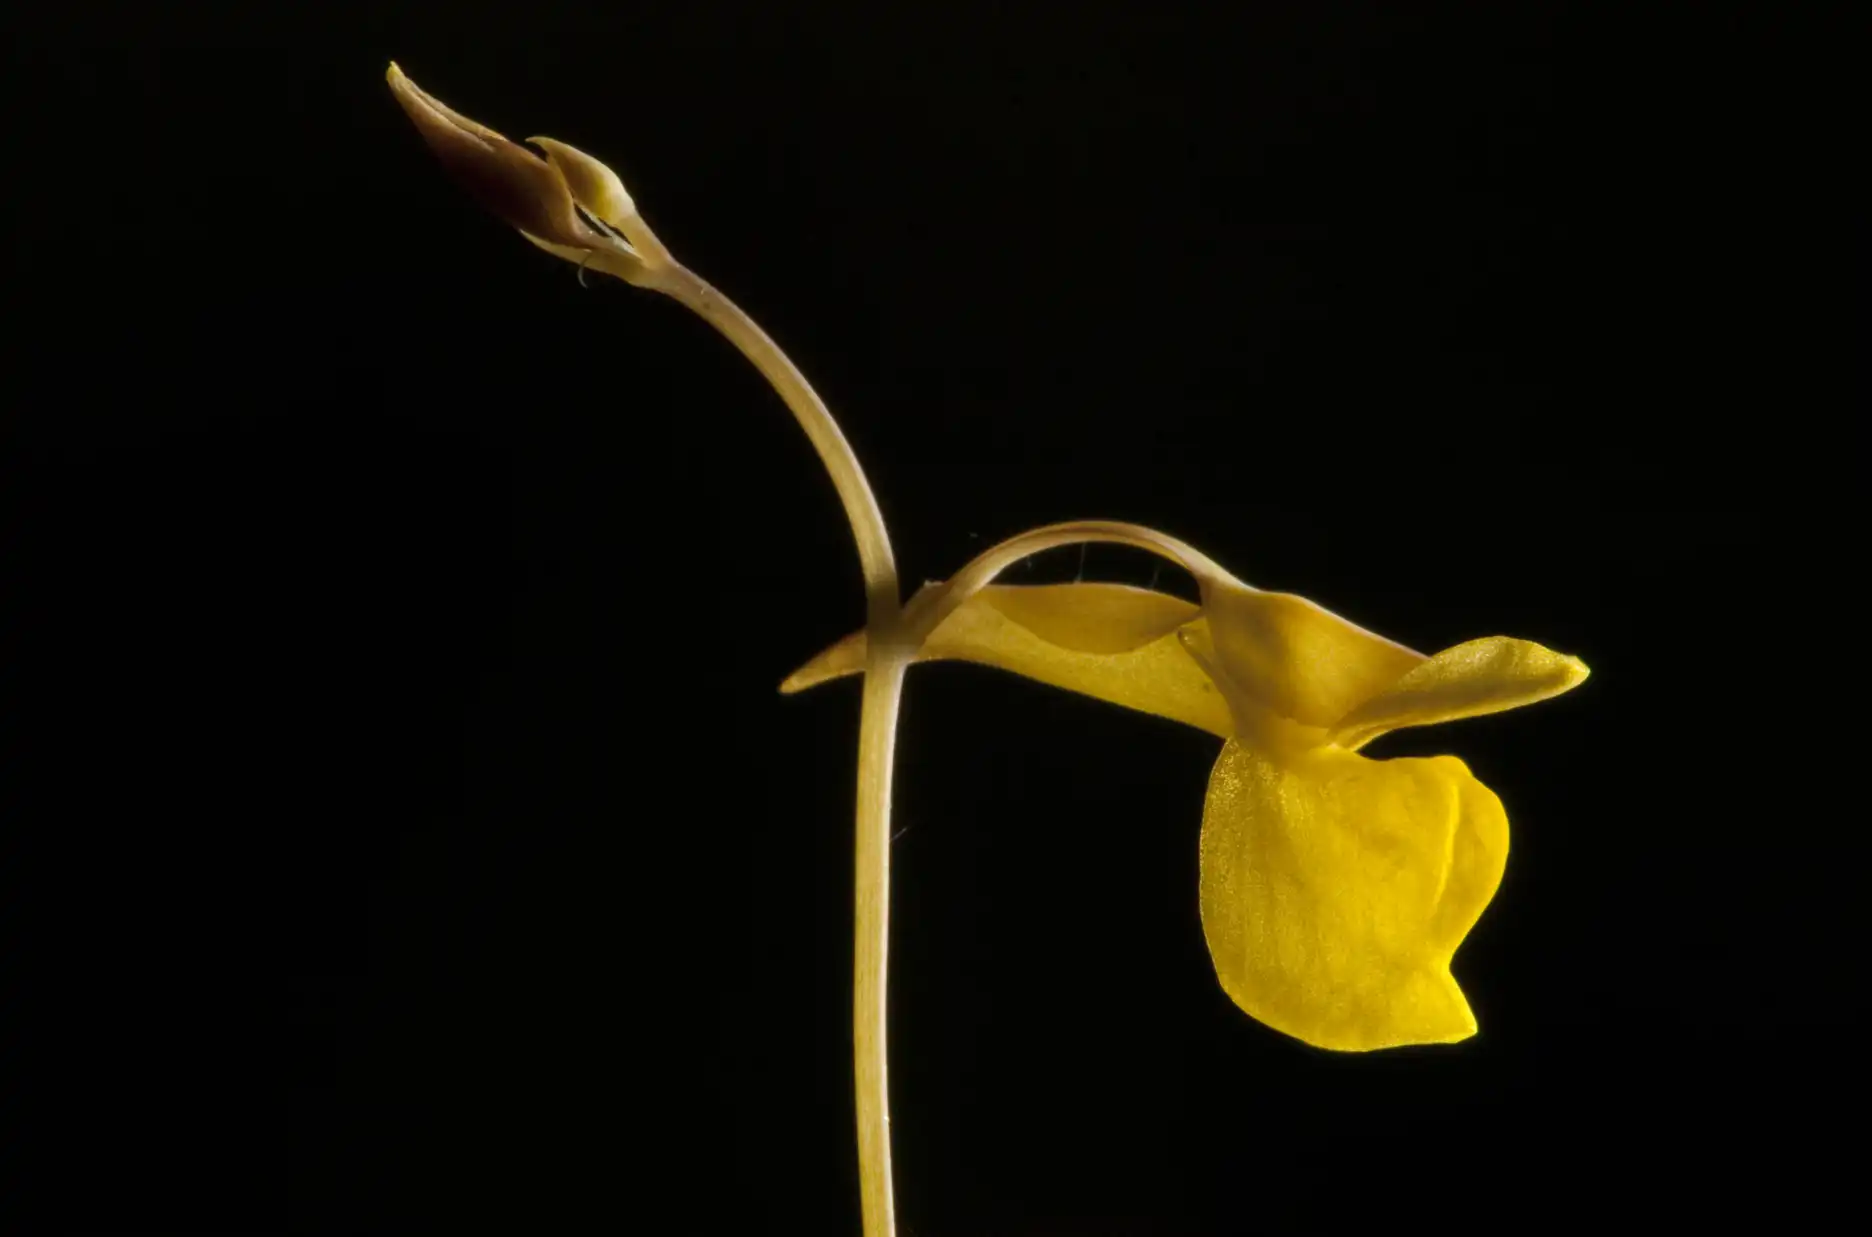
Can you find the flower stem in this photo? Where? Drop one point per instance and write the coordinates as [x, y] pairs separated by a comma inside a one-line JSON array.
[[877, 740], [886, 660], [841, 463]]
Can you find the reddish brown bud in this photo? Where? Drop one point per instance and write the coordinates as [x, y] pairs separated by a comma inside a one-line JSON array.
[[507, 178]]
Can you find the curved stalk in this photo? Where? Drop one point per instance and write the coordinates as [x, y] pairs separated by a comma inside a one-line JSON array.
[[841, 463], [935, 603], [886, 660]]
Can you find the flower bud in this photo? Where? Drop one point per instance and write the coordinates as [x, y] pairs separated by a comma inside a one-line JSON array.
[[523, 189]]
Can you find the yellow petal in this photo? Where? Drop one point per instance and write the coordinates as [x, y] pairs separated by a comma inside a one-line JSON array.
[[1297, 658], [1252, 721], [1110, 641], [1335, 890], [1091, 618], [597, 188], [834, 662], [1481, 676], [594, 185]]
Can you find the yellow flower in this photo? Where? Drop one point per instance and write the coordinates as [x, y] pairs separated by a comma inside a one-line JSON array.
[[1335, 888]]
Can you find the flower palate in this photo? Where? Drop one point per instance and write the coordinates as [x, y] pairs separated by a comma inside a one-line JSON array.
[[1335, 888]]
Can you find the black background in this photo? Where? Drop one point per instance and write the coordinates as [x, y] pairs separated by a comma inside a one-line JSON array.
[[404, 831]]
